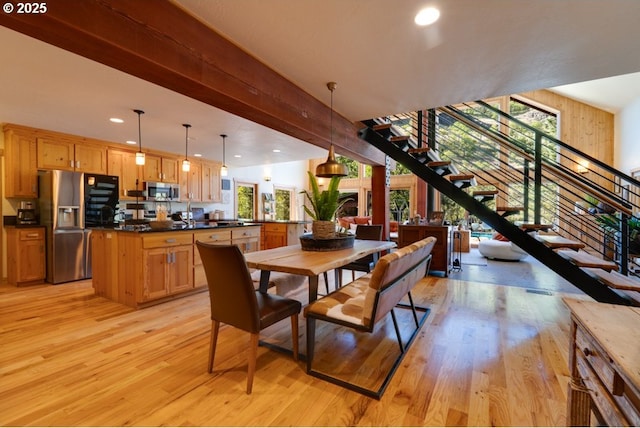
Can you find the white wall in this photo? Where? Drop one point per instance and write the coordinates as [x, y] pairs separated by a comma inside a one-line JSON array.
[[288, 174], [627, 147]]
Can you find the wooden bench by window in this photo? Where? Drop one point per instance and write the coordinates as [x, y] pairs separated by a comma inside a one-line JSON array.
[[361, 304]]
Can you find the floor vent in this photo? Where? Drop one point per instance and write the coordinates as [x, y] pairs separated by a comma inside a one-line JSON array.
[[545, 292]]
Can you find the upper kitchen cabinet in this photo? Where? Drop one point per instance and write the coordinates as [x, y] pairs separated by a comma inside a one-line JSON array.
[[191, 183], [122, 163], [21, 169], [69, 156], [211, 182], [160, 168]]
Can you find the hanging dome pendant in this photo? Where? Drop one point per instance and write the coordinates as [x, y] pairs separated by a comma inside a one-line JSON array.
[[331, 168]]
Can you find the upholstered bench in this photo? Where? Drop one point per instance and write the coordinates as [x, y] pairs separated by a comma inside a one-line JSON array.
[[365, 301]]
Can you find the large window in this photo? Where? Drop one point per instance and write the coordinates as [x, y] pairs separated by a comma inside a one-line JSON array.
[[246, 200], [283, 202], [399, 204]]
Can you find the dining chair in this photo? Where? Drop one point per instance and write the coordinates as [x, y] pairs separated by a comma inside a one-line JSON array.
[[372, 232], [234, 301]]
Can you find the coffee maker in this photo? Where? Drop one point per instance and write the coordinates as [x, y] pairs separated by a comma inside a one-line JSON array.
[[27, 215]]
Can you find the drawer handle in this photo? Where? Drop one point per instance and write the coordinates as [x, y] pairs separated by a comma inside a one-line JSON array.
[[170, 241], [587, 352], [32, 235]]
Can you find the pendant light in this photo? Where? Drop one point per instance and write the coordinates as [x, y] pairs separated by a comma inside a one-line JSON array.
[[186, 165], [223, 170], [331, 168], [139, 155]]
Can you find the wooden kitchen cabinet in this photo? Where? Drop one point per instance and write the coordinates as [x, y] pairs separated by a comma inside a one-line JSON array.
[[122, 163], [282, 234], [441, 253], [168, 264], [70, 156], [191, 183], [160, 168], [213, 236], [26, 255], [247, 238], [21, 164], [210, 177]]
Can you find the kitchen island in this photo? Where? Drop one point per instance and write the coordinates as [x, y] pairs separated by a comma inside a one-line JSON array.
[[140, 268]]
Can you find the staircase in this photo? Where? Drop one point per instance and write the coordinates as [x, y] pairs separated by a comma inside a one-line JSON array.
[[518, 180]]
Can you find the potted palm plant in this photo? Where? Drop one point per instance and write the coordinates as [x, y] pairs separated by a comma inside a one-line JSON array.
[[322, 207]]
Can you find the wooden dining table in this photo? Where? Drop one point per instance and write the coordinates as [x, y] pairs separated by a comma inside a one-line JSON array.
[[292, 259]]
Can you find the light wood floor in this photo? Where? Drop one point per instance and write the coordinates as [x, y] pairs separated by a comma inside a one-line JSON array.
[[487, 355]]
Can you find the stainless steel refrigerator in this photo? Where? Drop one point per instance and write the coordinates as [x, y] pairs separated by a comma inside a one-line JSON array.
[[62, 214]]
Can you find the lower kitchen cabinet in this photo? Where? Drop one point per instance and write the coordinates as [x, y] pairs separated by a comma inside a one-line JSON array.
[[143, 269], [26, 259], [282, 234]]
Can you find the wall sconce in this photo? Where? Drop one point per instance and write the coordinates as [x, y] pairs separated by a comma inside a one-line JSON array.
[[582, 167], [267, 178]]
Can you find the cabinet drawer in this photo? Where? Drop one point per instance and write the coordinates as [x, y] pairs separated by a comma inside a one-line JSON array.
[[164, 239], [598, 361], [245, 232], [212, 236], [274, 227], [599, 394], [31, 234]]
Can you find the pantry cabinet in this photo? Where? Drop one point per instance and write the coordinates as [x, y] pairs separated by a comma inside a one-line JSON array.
[[69, 156], [21, 168], [26, 255]]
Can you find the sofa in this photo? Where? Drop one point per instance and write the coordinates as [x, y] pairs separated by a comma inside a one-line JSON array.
[[500, 248]]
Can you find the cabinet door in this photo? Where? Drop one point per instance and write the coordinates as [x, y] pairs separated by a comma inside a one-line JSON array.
[[211, 182], [55, 154], [21, 174], [152, 169], [180, 272], [275, 235], [155, 263], [123, 164], [195, 185], [90, 158], [31, 265], [169, 170]]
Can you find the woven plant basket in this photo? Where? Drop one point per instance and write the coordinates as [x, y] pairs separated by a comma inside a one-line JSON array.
[[323, 229]]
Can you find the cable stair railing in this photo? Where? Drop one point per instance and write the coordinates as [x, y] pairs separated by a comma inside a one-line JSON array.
[[507, 174]]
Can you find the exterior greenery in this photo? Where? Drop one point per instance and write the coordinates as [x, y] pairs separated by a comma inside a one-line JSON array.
[[352, 165], [246, 200], [283, 204]]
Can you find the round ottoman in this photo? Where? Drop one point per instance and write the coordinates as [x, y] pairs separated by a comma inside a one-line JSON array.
[[500, 250]]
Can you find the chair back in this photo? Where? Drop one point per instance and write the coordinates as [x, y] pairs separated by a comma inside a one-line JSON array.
[[371, 232], [231, 291]]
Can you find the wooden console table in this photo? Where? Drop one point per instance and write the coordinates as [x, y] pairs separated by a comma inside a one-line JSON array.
[[604, 359], [441, 261]]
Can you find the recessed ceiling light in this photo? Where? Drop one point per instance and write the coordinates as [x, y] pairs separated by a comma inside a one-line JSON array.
[[132, 142], [198, 155], [237, 156], [276, 150], [427, 16], [116, 120]]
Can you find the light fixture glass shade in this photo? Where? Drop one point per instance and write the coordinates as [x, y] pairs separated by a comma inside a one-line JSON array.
[[224, 171], [331, 168], [139, 158], [186, 165]]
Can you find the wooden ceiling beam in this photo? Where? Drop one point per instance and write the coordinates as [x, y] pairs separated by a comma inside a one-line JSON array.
[[159, 42]]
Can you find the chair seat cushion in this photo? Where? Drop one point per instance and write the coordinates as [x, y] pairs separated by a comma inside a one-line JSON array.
[[273, 308]]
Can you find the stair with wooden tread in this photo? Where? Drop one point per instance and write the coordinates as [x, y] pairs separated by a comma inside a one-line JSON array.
[[463, 181], [442, 168], [484, 195], [507, 211]]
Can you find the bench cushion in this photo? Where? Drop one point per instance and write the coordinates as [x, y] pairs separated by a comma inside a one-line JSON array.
[[355, 302]]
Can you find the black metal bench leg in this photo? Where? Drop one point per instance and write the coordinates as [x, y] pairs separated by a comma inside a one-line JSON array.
[[311, 339], [395, 326]]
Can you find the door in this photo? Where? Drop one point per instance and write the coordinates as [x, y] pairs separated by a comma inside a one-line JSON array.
[[68, 256]]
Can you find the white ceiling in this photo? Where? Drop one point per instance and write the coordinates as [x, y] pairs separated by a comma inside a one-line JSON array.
[[382, 62]]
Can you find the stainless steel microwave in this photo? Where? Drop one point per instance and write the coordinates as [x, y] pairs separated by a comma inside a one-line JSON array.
[[155, 191]]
